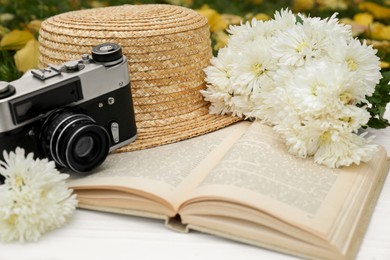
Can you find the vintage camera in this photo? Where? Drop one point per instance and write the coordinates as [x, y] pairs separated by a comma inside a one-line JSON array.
[[74, 114]]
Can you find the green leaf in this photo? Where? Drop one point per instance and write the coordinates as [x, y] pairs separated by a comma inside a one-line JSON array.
[[378, 101], [298, 20], [8, 70], [378, 123]]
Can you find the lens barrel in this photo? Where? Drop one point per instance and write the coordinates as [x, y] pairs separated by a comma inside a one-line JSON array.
[[74, 140]]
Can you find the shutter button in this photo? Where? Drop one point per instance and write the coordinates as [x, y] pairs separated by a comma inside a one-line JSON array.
[[72, 66]]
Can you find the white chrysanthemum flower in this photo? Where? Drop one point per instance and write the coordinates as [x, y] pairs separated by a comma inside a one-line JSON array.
[[305, 77], [219, 72], [220, 100], [312, 38], [312, 101], [297, 45], [302, 137], [249, 32], [325, 87], [330, 28], [352, 118], [253, 68], [218, 76], [320, 87], [34, 198], [363, 61], [326, 140], [242, 105], [283, 20], [274, 99], [244, 29], [344, 148]]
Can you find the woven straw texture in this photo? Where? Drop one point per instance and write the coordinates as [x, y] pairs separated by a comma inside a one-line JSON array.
[[167, 48]]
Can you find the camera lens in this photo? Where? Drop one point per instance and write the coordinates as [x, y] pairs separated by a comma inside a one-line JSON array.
[[74, 140], [84, 146]]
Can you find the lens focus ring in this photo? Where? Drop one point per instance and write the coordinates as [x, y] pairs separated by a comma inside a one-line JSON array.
[[74, 140]]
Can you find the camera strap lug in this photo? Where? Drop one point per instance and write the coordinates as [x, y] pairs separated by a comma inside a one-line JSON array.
[[115, 131]]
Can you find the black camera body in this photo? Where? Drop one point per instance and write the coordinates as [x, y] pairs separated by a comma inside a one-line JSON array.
[[74, 114]]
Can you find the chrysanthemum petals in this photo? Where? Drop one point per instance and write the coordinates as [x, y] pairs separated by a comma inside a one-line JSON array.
[[305, 77], [34, 198]]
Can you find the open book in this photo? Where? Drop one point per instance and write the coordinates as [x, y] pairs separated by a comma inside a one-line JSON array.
[[240, 183]]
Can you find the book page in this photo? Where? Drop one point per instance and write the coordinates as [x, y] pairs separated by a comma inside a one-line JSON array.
[[157, 173], [260, 173]]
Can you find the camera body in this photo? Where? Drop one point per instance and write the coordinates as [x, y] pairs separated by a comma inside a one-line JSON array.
[[74, 113]]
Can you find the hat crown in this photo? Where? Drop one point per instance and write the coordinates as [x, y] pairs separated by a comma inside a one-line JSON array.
[[167, 48], [139, 19]]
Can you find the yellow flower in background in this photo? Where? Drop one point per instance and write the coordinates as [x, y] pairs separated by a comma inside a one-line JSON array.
[[378, 11], [379, 31], [259, 16], [27, 57], [221, 38], [384, 65], [379, 44], [3, 31], [322, 5], [15, 40], [256, 2], [263, 17], [356, 28], [360, 23], [25, 44], [382, 47], [215, 20], [303, 5], [34, 26], [97, 4], [332, 4], [180, 2], [364, 19], [232, 19]]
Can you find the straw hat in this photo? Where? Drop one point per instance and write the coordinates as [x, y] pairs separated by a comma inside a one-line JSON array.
[[167, 48]]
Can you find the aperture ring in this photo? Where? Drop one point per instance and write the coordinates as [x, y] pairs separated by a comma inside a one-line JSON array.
[[63, 128]]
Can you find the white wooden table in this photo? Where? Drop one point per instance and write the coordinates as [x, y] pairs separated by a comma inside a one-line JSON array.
[[97, 235]]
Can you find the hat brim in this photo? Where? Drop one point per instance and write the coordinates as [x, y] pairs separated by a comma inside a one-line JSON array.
[[198, 122]]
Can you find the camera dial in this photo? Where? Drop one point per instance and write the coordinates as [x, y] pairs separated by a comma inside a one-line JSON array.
[[6, 89], [74, 140], [107, 53], [72, 66]]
